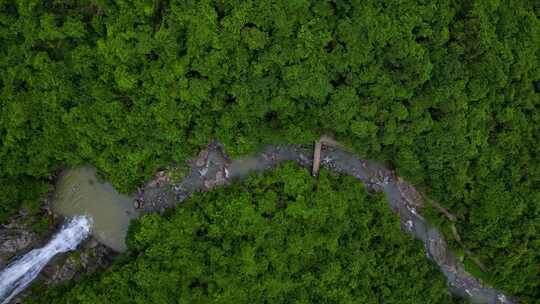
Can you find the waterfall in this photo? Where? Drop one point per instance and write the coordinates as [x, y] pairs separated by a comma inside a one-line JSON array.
[[18, 274]]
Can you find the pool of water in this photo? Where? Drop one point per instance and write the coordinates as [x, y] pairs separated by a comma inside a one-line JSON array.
[[79, 192]]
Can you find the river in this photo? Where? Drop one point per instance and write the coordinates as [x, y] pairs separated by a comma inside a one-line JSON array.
[[80, 192]]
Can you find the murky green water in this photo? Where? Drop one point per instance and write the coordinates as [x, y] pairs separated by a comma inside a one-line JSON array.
[[80, 192]]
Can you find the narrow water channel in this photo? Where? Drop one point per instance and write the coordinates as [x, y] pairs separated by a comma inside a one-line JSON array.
[[213, 169], [79, 192]]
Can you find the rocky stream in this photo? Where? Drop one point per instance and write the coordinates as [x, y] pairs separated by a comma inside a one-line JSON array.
[[78, 190]]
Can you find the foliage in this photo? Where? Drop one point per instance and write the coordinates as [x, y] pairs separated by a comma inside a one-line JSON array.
[[289, 239], [446, 92], [13, 198]]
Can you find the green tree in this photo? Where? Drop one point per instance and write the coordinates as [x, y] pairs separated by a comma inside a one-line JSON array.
[[291, 238]]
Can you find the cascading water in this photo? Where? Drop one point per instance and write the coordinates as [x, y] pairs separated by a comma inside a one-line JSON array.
[[17, 275]]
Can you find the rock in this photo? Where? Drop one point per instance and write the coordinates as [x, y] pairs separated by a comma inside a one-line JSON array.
[[209, 184], [219, 180], [220, 177], [159, 180], [438, 249], [410, 194], [63, 272], [14, 240], [93, 243], [96, 258], [203, 171], [23, 212], [201, 160], [67, 267]]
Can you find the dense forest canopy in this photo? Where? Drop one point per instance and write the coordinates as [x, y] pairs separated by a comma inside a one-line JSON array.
[[282, 237], [447, 92]]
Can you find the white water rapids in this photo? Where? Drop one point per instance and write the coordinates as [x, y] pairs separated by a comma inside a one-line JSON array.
[[18, 274]]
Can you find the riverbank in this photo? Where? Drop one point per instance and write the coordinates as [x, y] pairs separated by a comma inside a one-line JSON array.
[[27, 230], [213, 168]]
